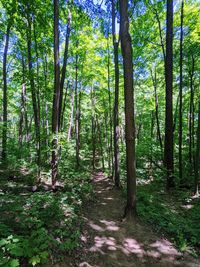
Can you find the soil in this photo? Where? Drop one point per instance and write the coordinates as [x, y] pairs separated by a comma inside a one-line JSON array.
[[109, 241]]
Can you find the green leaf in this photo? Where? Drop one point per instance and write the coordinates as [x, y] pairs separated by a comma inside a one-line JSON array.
[[14, 263], [34, 260]]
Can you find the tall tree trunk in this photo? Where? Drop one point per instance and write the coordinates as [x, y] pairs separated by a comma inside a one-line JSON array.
[[168, 152], [5, 96], [111, 164], [191, 112], [64, 107], [71, 116], [63, 71], [154, 79], [77, 116], [116, 103], [56, 97], [130, 209], [94, 126], [160, 32], [181, 98], [197, 164], [33, 92]]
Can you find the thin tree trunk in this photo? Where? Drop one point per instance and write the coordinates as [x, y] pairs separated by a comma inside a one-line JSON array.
[[154, 79], [94, 124], [181, 99], [130, 209], [5, 96], [33, 93], [77, 116], [64, 107], [63, 71], [197, 164], [111, 164], [160, 33], [191, 114], [116, 103], [71, 116], [168, 151], [56, 97]]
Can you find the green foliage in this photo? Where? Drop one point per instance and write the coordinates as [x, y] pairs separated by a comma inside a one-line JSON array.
[[36, 225], [174, 215]]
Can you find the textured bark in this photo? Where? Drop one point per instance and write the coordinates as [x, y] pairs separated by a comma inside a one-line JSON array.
[[197, 164], [191, 112], [116, 103], [71, 116], [56, 97], [77, 123], [64, 107], [63, 71], [130, 210], [33, 91], [5, 96], [111, 162], [168, 151], [160, 33], [181, 98], [154, 79], [94, 126]]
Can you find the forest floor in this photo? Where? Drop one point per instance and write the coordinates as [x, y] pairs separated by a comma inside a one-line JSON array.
[[109, 241]]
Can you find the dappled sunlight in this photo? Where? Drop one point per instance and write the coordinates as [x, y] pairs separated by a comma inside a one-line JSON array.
[[130, 245], [122, 243], [95, 226], [165, 247]]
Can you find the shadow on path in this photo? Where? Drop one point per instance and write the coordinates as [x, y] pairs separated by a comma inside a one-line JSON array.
[[108, 242]]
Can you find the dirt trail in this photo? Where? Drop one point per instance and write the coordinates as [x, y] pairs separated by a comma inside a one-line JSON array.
[[108, 242]]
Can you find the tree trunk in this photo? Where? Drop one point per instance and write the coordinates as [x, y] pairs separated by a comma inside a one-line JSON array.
[[130, 209], [33, 92], [64, 107], [181, 98], [197, 164], [56, 97], [154, 79], [116, 103], [77, 124], [168, 152], [191, 114], [111, 164], [71, 116], [5, 97], [63, 72]]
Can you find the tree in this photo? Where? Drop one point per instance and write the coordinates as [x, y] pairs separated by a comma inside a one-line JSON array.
[[116, 102], [181, 97], [130, 209], [56, 96], [168, 151], [5, 100]]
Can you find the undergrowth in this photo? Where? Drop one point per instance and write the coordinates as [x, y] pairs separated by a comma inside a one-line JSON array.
[[35, 227]]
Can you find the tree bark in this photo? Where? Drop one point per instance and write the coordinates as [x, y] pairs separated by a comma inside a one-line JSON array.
[[33, 91], [56, 97], [71, 116], [5, 96], [116, 103], [168, 151], [154, 79], [181, 98], [130, 210], [191, 114], [197, 164], [63, 71], [111, 164]]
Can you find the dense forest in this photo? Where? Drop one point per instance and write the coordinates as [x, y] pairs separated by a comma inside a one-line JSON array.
[[100, 133]]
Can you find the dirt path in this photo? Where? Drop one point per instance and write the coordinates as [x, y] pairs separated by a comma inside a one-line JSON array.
[[108, 242]]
